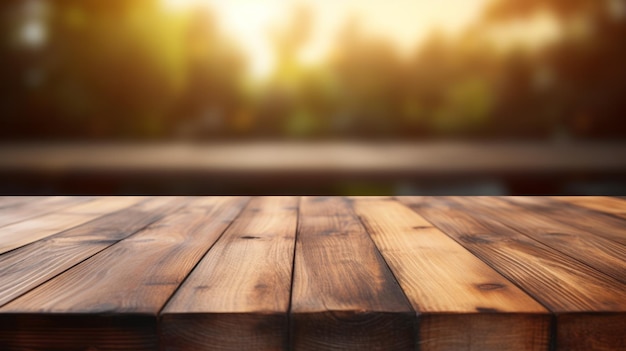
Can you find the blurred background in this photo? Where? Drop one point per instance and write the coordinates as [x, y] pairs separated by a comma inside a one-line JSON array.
[[313, 96]]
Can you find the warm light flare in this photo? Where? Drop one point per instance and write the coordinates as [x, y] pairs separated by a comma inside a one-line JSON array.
[[246, 22], [533, 33], [177, 5], [404, 22]]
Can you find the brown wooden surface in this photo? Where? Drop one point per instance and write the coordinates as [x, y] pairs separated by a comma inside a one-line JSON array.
[[603, 254], [451, 288], [565, 285], [612, 205], [15, 211], [344, 296], [237, 298], [134, 277], [27, 267], [300, 273], [601, 224], [24, 232]]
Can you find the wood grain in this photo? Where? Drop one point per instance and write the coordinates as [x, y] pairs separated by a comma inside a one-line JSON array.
[[128, 332], [494, 331], [27, 267], [301, 273], [593, 331], [601, 224], [28, 231], [344, 296], [598, 252], [237, 298], [133, 278], [559, 282], [612, 205], [31, 209], [7, 202], [462, 302]]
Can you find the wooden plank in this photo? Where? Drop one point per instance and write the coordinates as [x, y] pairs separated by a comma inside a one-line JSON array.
[[461, 301], [237, 297], [598, 252], [132, 279], [47, 204], [596, 331], [612, 205], [21, 332], [601, 224], [569, 288], [27, 267], [7, 202], [103, 205], [28, 231], [344, 296]]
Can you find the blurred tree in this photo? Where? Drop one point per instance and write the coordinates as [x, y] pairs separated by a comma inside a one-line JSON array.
[[213, 92], [517, 111], [24, 52], [288, 42], [430, 75], [130, 69], [369, 76], [116, 68], [466, 109], [287, 110], [499, 10], [588, 93]]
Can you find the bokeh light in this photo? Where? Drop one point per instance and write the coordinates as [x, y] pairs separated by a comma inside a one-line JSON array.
[[313, 70]]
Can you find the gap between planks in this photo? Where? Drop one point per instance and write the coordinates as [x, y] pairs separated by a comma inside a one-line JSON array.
[[438, 327], [143, 280], [577, 294]]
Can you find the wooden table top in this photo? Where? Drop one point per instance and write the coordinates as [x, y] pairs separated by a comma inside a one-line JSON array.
[[310, 273]]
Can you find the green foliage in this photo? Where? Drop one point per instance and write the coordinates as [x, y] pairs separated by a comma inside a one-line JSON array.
[[466, 108], [122, 67], [129, 69]]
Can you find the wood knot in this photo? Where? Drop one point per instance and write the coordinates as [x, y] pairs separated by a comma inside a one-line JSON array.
[[250, 237], [490, 286], [418, 227]]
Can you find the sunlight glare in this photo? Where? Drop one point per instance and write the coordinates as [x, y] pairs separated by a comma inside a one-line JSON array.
[[178, 5], [405, 23], [245, 22], [532, 33], [248, 22]]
